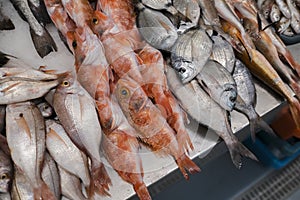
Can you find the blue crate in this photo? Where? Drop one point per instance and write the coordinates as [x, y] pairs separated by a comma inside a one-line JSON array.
[[276, 156]]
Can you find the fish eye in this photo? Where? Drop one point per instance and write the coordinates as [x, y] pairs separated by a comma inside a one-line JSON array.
[[46, 107], [124, 92], [65, 83], [74, 44], [181, 70], [95, 21], [3, 176]]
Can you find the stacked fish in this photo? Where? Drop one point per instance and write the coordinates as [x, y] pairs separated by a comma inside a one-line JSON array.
[[285, 15], [124, 92]]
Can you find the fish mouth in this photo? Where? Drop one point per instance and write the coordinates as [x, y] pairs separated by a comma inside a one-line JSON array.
[[186, 70], [229, 96]]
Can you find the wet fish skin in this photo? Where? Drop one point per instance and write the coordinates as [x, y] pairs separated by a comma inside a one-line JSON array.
[[5, 22], [190, 53], [76, 110], [264, 44], [19, 91], [25, 132], [204, 110], [21, 187], [6, 172], [156, 28], [39, 11], [42, 40], [51, 176], [70, 185], [295, 16], [246, 100], [266, 8], [275, 14], [283, 24], [160, 5], [19, 73], [46, 109], [219, 84], [150, 124], [284, 8], [5, 196], [188, 8], [223, 53], [65, 153]]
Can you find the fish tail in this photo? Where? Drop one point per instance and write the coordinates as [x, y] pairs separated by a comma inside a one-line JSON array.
[[237, 150], [43, 192], [44, 43], [185, 163], [295, 111], [258, 123], [142, 191], [100, 180]]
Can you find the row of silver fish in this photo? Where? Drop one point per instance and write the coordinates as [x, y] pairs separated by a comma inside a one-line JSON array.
[[40, 158], [284, 14]]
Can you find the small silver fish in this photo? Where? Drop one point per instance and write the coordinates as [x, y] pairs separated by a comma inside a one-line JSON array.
[[283, 24], [70, 185], [156, 28], [23, 90], [42, 40], [19, 73], [205, 111], [295, 16], [76, 111], [223, 53], [190, 53], [275, 14], [51, 176], [288, 32], [160, 5], [25, 132], [266, 8], [45, 109], [283, 7], [188, 8], [219, 84], [246, 100], [65, 153], [21, 187]]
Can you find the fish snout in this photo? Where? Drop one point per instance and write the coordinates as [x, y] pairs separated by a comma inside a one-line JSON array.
[[228, 97]]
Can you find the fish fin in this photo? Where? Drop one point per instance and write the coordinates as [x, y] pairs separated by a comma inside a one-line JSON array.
[[100, 180], [185, 163], [43, 192], [237, 150], [142, 191], [6, 24], [256, 123], [52, 133], [22, 123], [44, 43], [294, 106]]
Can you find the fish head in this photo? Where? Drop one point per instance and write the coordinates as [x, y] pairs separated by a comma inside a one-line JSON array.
[[130, 94], [186, 70], [5, 172], [250, 26], [68, 85], [228, 97], [45, 109], [100, 22], [87, 48]]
